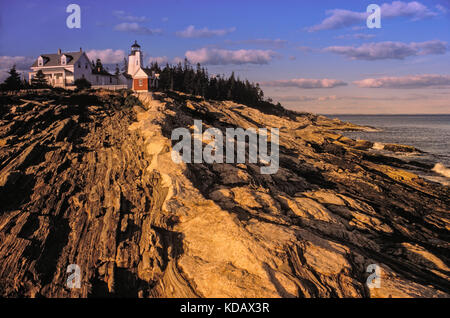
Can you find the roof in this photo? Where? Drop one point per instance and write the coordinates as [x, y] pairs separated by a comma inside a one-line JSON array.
[[148, 73], [136, 45], [54, 59], [55, 69]]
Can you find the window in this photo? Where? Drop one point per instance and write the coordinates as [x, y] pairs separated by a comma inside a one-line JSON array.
[[79, 65], [40, 61], [63, 60], [141, 82], [85, 66]]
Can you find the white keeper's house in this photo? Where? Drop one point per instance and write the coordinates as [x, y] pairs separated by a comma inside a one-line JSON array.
[[61, 69]]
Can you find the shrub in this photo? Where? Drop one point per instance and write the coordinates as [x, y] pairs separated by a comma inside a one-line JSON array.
[[82, 83]]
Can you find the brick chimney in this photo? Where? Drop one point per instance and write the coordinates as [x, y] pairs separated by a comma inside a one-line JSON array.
[[59, 51]]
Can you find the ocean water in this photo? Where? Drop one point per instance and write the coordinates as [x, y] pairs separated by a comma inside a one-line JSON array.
[[429, 133]]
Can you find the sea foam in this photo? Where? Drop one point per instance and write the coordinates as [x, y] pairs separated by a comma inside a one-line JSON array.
[[441, 169]]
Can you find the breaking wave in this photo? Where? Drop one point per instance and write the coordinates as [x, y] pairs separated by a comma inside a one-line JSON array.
[[442, 170]]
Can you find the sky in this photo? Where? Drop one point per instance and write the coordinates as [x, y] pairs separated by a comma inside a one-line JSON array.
[[316, 56]]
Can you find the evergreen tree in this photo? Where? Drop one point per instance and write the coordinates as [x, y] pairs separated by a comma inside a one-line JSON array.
[[155, 67], [39, 81], [12, 82], [171, 79]]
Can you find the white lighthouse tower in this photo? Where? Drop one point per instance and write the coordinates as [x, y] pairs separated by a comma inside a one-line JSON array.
[[135, 59]]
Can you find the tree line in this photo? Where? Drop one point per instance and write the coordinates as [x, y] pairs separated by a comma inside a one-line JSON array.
[[196, 81]]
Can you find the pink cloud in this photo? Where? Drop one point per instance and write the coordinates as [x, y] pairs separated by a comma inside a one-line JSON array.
[[306, 83], [21, 62], [213, 56], [389, 50], [406, 82], [107, 56]]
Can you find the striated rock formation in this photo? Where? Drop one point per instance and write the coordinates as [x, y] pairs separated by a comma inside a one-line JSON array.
[[86, 180]]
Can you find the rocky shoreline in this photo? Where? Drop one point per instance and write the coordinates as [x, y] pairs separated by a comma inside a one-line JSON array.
[[88, 179]]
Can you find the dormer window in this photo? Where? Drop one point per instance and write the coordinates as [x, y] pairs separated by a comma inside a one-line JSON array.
[[63, 60], [40, 61]]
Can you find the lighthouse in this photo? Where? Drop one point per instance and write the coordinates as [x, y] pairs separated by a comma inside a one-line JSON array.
[[135, 59], [144, 79]]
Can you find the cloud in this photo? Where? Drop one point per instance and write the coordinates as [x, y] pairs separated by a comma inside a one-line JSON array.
[[294, 98], [226, 57], [161, 60], [136, 28], [305, 49], [413, 10], [192, 32], [122, 15], [271, 43], [339, 18], [389, 50], [327, 98], [301, 99], [21, 62], [406, 82], [108, 56], [441, 8], [177, 60], [357, 36], [306, 83]]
